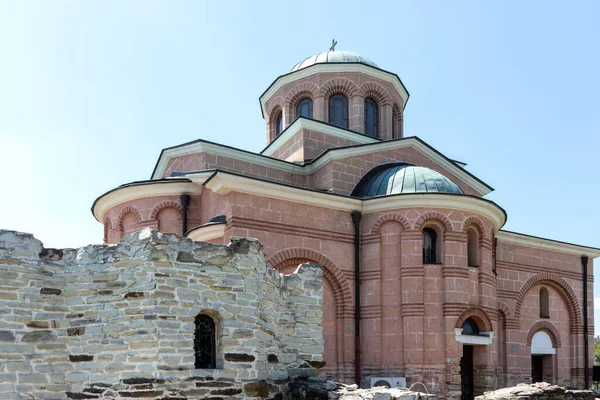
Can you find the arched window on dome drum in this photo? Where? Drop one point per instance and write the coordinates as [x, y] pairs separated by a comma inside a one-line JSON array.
[[429, 246], [470, 327], [305, 108], [371, 118], [204, 342], [279, 122], [338, 110], [544, 303]]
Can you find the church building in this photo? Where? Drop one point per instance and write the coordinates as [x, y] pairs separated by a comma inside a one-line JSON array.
[[421, 283]]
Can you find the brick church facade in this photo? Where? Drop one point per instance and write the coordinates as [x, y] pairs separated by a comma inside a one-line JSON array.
[[420, 280]]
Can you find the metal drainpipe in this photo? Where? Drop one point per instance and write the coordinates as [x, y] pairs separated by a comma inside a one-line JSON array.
[[586, 351], [356, 217], [185, 201]]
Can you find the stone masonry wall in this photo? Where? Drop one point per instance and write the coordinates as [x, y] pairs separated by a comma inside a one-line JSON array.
[[118, 321]]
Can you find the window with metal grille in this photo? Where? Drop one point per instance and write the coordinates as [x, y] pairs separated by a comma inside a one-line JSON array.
[[429, 246], [371, 118], [338, 110], [204, 342], [305, 108]]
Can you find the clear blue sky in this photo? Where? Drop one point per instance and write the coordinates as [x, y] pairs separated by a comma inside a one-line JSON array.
[[91, 91]]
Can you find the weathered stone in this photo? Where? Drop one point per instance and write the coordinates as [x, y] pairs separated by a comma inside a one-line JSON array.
[[38, 324], [72, 395], [96, 332], [51, 254], [7, 336], [185, 257], [51, 291], [226, 392], [38, 336], [134, 295], [75, 331], [139, 381], [141, 393], [214, 384], [259, 389], [239, 357], [81, 358]]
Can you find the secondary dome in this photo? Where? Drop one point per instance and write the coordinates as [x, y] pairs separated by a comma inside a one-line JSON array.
[[396, 178], [334, 57]]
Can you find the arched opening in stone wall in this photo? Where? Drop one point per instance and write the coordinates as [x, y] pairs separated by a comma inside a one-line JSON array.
[[332, 330], [205, 346]]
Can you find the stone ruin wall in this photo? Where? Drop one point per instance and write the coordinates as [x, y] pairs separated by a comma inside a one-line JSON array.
[[118, 321]]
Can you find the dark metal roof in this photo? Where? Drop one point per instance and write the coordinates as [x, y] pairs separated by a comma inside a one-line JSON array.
[[396, 178]]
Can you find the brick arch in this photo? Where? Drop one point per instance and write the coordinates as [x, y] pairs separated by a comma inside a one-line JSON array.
[[299, 92], [564, 290], [484, 323], [435, 216], [390, 217], [128, 210], [332, 274], [376, 91], [547, 327], [338, 85], [396, 110], [473, 221], [165, 204]]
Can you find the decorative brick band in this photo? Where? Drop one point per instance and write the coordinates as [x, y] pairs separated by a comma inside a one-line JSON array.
[[165, 204], [413, 310], [474, 222], [376, 91], [432, 216], [331, 274], [338, 85], [564, 290], [128, 210], [478, 315], [547, 327], [390, 217], [455, 272]]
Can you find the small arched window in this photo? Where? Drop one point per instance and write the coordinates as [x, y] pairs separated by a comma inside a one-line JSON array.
[[279, 123], [338, 110], [544, 303], [470, 327], [371, 117], [429, 246], [305, 108], [472, 248], [205, 342]]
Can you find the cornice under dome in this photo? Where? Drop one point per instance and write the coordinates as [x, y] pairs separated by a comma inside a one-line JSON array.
[[334, 57]]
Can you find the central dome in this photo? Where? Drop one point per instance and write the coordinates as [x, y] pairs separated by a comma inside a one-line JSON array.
[[396, 178], [334, 57]]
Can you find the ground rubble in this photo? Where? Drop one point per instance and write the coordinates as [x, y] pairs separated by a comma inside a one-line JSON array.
[[542, 391], [314, 388]]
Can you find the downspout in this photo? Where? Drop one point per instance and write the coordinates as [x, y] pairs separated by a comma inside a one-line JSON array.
[[356, 217], [586, 350], [185, 201]]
